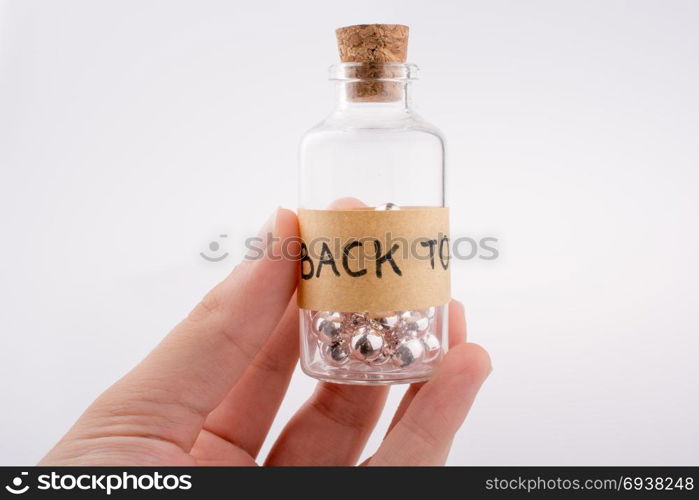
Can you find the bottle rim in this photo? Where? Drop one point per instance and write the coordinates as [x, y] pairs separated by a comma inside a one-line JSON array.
[[362, 71]]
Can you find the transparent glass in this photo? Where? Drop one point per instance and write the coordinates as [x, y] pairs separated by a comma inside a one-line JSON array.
[[374, 150]]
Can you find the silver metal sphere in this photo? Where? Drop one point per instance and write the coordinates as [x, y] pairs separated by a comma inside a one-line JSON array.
[[327, 326], [415, 322], [366, 344], [335, 354], [387, 320], [407, 352], [432, 347]]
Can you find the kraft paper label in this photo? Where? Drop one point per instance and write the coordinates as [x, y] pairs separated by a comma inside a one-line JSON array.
[[368, 260]]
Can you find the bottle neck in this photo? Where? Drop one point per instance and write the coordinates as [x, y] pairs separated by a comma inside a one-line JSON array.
[[372, 94], [374, 86]]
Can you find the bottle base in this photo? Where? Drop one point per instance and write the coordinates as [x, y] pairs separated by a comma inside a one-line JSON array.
[[348, 377]]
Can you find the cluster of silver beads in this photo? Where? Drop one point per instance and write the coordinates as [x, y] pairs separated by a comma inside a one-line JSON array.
[[400, 338]]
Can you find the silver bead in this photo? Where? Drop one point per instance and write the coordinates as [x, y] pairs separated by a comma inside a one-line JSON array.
[[432, 347], [407, 352], [429, 313], [335, 354], [386, 321], [388, 206], [327, 326], [415, 322], [366, 344]]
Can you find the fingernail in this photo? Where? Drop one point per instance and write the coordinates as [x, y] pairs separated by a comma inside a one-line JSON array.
[[261, 244]]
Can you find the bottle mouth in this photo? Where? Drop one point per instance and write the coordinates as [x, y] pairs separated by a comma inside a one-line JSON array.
[[381, 72]]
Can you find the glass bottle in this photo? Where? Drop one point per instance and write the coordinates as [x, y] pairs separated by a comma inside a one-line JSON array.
[[374, 150]]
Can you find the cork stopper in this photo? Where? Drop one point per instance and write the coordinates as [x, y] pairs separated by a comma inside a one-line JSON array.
[[373, 45]]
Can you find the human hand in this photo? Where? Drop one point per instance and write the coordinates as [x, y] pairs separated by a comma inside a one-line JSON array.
[[208, 393]]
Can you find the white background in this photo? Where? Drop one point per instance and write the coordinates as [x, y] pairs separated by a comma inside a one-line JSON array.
[[132, 133]]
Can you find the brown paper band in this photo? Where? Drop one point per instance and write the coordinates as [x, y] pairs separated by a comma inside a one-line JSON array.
[[367, 260]]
